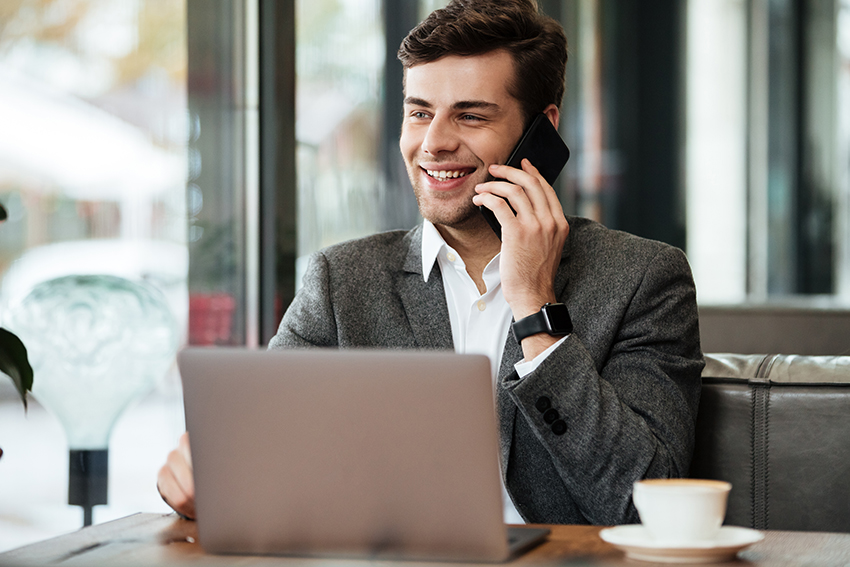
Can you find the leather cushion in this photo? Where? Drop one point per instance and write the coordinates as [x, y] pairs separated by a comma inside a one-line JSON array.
[[778, 428]]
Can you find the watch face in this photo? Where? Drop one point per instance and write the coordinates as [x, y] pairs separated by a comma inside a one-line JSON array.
[[558, 318]]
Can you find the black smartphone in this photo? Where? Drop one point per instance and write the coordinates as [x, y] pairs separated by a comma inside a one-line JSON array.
[[542, 145]]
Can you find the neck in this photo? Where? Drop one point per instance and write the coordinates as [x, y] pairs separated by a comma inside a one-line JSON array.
[[476, 243]]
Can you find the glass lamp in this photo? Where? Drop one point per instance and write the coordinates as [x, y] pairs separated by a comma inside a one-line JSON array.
[[95, 344]]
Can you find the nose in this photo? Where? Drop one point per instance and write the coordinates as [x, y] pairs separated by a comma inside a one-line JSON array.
[[440, 137]]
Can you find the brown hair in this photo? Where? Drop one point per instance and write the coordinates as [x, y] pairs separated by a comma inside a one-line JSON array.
[[474, 27]]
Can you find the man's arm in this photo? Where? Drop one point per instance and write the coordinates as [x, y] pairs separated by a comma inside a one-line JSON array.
[[532, 242], [624, 386], [629, 413]]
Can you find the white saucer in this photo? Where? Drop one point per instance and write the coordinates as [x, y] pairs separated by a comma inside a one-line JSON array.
[[638, 544]]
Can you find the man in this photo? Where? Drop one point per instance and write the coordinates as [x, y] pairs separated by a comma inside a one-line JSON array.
[[583, 412]]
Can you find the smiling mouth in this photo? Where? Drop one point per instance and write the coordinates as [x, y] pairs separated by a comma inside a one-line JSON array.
[[444, 175]]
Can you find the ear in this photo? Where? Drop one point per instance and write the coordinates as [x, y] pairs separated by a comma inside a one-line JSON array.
[[553, 114]]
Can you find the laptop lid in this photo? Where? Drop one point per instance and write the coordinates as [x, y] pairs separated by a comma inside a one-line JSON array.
[[348, 453]]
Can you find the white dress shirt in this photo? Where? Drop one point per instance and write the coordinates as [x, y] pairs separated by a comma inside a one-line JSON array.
[[480, 323]]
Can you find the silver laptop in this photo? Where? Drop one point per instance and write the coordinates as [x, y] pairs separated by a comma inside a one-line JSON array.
[[346, 453]]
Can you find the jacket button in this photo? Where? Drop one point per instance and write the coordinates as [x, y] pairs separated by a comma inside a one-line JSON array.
[[550, 415], [559, 427], [543, 403]]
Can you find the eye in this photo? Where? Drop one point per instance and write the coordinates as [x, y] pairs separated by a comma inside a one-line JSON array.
[[418, 115], [471, 118]]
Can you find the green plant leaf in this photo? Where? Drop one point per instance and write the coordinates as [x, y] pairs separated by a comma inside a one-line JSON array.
[[14, 363]]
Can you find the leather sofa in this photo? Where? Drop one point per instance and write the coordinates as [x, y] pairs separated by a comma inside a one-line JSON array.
[[778, 428]]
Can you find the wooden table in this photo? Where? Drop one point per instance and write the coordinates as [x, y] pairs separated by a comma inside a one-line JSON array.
[[157, 539]]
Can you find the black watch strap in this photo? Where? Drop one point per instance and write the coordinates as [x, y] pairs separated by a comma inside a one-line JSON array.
[[553, 319]]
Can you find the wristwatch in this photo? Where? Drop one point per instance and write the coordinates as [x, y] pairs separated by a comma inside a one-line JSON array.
[[553, 318]]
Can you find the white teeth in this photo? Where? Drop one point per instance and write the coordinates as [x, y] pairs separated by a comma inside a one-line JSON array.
[[443, 174]]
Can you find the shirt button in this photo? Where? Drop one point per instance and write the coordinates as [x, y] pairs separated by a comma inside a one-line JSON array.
[[451, 257], [482, 305]]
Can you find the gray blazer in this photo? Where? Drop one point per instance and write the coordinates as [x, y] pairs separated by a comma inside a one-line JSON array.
[[626, 383]]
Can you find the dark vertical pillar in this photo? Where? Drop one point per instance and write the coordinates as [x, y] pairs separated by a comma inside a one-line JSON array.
[[816, 202], [645, 44], [278, 189], [398, 204]]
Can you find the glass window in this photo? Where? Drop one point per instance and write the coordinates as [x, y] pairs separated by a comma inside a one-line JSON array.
[[340, 69], [93, 143], [222, 189], [128, 147], [93, 161], [767, 151], [714, 125]]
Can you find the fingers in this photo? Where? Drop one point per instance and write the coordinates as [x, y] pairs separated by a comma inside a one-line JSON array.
[[551, 198], [500, 207], [183, 447], [175, 482], [524, 185], [535, 202], [506, 192], [532, 241], [526, 189]]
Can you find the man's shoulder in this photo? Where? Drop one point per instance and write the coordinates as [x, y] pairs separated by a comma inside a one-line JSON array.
[[598, 250], [390, 249], [384, 241], [591, 236]]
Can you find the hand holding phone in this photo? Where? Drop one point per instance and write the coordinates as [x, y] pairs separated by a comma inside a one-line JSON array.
[[543, 147]]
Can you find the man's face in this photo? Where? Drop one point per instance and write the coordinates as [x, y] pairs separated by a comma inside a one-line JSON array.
[[458, 120]]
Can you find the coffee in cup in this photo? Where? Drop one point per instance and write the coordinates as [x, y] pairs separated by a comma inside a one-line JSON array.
[[680, 511]]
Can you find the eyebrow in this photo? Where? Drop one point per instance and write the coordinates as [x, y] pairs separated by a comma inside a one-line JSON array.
[[460, 105]]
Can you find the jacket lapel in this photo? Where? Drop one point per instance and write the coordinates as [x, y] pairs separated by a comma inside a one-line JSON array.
[[424, 303]]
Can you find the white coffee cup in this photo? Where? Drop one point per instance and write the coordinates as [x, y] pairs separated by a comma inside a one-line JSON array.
[[681, 511]]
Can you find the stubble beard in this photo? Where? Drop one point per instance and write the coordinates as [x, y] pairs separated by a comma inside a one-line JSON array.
[[463, 215], [455, 217]]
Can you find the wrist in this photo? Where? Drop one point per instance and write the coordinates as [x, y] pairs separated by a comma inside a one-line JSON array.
[[534, 345], [529, 306], [552, 319]]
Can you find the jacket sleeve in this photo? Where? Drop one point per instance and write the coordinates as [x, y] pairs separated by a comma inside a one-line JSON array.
[[607, 421]]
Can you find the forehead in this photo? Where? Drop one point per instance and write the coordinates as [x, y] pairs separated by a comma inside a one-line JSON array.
[[453, 78]]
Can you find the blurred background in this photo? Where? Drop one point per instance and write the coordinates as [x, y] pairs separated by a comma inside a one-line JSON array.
[[206, 147]]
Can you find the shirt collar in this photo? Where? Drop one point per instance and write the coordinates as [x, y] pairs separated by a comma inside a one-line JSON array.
[[432, 244]]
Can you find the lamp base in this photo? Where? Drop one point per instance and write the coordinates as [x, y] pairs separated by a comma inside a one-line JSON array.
[[88, 479]]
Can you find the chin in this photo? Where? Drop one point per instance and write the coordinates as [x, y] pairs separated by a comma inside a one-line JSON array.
[[459, 218]]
